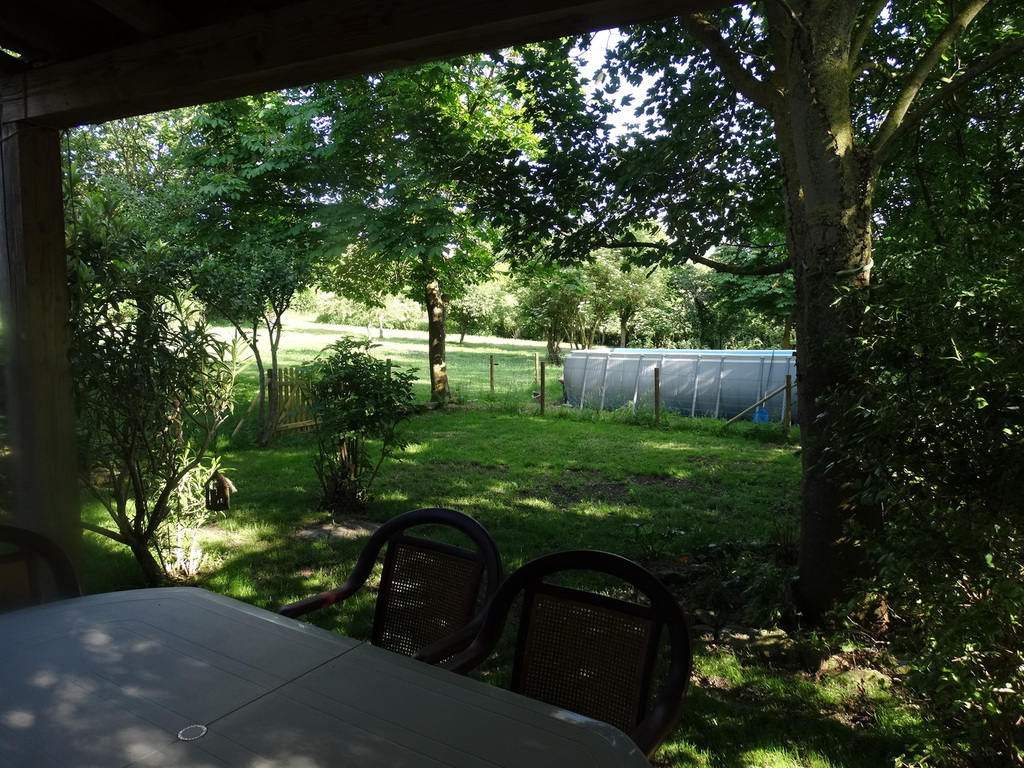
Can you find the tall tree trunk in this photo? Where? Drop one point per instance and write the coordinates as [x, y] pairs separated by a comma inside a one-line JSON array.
[[828, 188], [261, 395], [268, 426], [436, 310], [554, 345]]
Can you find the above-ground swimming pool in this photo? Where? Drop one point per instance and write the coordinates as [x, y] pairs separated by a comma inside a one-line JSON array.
[[694, 382]]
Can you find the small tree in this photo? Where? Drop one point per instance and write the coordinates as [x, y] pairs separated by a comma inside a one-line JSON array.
[[245, 201], [153, 386], [549, 307], [487, 309], [356, 399], [152, 382]]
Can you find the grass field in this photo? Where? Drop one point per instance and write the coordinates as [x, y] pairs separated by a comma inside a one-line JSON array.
[[515, 362], [712, 510]]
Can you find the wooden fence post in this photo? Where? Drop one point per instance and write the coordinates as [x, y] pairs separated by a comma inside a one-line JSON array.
[[787, 416], [543, 394], [492, 374], [657, 395]]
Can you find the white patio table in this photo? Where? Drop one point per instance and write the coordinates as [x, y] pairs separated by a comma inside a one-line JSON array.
[[185, 678]]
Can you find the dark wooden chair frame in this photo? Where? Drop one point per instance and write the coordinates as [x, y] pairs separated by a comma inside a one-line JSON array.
[[655, 722], [393, 535], [36, 550]]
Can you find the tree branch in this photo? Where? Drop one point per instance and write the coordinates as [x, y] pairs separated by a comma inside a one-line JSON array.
[[708, 35], [891, 125], [860, 34], [719, 266], [948, 90], [105, 532]]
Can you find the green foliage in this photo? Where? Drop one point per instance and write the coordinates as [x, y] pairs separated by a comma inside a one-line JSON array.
[[702, 157], [153, 385], [414, 154], [937, 440], [486, 309], [307, 302], [133, 159], [178, 543], [417, 154], [723, 311], [247, 171], [356, 399], [394, 312], [606, 300], [515, 474], [766, 131], [549, 307]]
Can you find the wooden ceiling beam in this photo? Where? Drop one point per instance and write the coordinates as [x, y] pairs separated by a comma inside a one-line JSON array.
[[143, 15], [11, 65], [299, 44], [20, 31]]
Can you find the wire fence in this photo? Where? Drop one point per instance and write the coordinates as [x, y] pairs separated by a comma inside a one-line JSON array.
[[504, 378]]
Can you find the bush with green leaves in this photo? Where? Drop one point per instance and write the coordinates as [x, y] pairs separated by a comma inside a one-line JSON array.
[[486, 309], [358, 402], [938, 440], [153, 384]]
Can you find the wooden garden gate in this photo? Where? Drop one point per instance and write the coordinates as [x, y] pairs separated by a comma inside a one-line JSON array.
[[295, 413]]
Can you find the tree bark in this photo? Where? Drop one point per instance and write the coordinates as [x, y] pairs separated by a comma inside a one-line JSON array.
[[829, 183], [273, 413], [554, 346], [153, 574], [436, 311]]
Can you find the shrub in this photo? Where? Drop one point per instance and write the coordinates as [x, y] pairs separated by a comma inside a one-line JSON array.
[[153, 384], [356, 399], [937, 439], [152, 393]]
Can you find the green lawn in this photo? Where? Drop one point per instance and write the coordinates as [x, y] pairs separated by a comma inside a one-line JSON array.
[[515, 362], [711, 509]]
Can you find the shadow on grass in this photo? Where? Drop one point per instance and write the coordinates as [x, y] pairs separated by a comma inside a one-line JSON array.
[[540, 485], [118, 569], [738, 729]]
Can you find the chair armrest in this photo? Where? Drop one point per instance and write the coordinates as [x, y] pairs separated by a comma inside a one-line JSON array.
[[316, 602], [447, 647]]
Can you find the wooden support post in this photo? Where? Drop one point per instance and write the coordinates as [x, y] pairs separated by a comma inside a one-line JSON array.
[[492, 374], [34, 298], [762, 401]]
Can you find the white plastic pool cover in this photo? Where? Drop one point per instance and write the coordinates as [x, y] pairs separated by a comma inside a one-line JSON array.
[[694, 382]]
